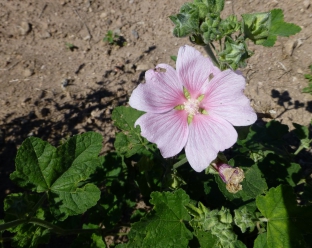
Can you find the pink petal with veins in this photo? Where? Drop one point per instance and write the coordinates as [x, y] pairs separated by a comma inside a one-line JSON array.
[[224, 97], [194, 69], [208, 135], [161, 92], [168, 130]]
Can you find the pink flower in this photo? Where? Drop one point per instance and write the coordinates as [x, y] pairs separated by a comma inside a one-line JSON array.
[[193, 107]]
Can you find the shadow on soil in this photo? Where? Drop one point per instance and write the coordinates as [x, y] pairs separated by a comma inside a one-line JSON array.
[[284, 100]]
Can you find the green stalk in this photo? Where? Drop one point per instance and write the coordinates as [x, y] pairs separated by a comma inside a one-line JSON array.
[[12, 224], [178, 164], [211, 55]]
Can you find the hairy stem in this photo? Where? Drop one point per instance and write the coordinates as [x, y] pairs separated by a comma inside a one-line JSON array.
[[211, 55], [178, 164]]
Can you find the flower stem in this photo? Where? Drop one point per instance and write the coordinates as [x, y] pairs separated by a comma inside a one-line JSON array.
[[12, 224], [178, 164], [211, 55]]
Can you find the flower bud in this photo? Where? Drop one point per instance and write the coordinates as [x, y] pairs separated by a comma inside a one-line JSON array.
[[232, 176]]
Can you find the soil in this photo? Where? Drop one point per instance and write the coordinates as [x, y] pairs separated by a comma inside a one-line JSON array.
[[58, 78]]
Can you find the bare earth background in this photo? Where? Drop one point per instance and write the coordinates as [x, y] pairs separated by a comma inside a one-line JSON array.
[[35, 63]]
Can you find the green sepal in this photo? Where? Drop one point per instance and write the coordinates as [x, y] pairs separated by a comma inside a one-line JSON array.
[[229, 25], [234, 55], [210, 28], [214, 6], [256, 26], [245, 219]]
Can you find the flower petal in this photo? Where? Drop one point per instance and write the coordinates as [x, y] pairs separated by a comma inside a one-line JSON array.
[[208, 135], [169, 130], [161, 92], [194, 69], [224, 97]]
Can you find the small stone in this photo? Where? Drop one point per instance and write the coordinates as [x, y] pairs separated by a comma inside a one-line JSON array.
[[306, 3], [135, 34], [144, 67], [96, 113], [88, 37], [25, 28], [103, 15], [45, 35], [290, 46], [129, 67], [28, 72], [299, 71]]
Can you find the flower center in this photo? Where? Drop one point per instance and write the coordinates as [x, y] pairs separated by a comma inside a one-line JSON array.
[[191, 106]]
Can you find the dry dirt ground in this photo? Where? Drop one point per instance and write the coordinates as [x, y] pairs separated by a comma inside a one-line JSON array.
[[52, 92]]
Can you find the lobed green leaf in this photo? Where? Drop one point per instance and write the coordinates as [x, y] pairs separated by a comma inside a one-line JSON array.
[[286, 222], [164, 226], [61, 171]]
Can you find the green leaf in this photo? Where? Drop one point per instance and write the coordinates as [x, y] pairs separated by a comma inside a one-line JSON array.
[[261, 241], [174, 58], [129, 141], [30, 236], [20, 206], [302, 132], [206, 239], [187, 21], [61, 171], [307, 89], [164, 226], [279, 27], [286, 222]]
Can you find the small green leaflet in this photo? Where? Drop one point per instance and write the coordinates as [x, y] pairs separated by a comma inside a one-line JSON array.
[[61, 171], [129, 141], [164, 226], [286, 222]]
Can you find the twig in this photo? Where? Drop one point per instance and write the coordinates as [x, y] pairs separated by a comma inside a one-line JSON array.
[[44, 7], [88, 30], [6, 69]]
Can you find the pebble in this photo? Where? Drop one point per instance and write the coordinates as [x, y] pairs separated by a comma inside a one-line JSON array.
[[306, 4], [103, 15], [299, 71], [135, 34], [28, 72], [25, 28], [45, 35], [144, 67], [290, 46]]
